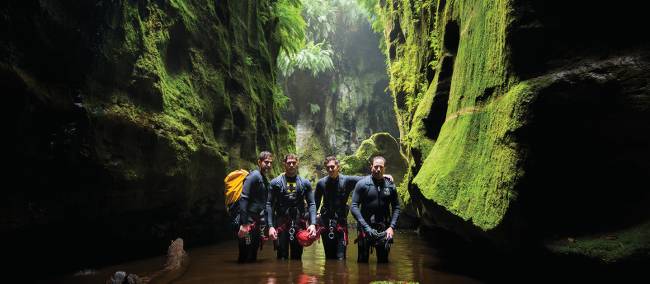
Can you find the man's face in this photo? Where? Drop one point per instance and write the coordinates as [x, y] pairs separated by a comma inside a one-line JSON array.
[[377, 168], [265, 165], [291, 167], [332, 169]]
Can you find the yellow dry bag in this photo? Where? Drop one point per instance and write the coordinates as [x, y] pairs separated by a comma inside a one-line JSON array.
[[234, 185]]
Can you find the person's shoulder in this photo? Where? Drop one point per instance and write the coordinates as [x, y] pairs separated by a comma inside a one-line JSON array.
[[255, 175], [277, 180], [304, 181], [390, 183], [365, 180]]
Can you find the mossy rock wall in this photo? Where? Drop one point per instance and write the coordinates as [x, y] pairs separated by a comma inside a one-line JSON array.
[[522, 120], [352, 101], [124, 117]]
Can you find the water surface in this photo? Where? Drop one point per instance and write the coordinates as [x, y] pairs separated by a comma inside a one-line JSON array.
[[410, 260]]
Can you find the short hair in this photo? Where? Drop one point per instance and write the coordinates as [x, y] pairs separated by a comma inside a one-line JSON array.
[[290, 156], [372, 161], [264, 155], [330, 158]]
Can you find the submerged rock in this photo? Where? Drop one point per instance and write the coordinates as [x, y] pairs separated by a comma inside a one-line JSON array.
[[176, 264]]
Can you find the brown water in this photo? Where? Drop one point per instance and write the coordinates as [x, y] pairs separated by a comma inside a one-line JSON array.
[[410, 259]]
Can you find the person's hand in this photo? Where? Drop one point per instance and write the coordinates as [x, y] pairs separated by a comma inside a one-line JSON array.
[[389, 178], [273, 234], [372, 233], [312, 230], [244, 229], [389, 233]]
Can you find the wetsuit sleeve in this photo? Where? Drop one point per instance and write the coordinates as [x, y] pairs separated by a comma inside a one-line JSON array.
[[318, 194], [251, 181], [354, 207], [394, 203], [351, 182], [310, 201], [269, 203]]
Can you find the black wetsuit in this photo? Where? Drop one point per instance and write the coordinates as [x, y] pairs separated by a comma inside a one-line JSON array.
[[334, 212], [251, 209], [286, 200], [375, 198]]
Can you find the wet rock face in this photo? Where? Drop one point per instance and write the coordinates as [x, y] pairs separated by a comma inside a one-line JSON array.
[[585, 148], [522, 120], [341, 108], [124, 117]]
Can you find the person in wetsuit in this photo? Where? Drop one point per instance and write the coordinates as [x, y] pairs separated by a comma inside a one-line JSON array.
[[285, 209], [373, 199], [251, 208], [334, 191]]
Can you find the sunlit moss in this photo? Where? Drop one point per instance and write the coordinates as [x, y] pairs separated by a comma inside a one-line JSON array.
[[470, 168], [378, 144]]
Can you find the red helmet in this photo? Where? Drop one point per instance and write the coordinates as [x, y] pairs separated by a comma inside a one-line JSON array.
[[304, 239]]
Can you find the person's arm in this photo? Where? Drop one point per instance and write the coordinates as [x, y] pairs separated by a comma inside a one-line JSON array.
[[318, 194], [273, 187], [269, 203], [354, 207], [311, 203], [250, 182], [394, 203], [351, 182], [309, 196]]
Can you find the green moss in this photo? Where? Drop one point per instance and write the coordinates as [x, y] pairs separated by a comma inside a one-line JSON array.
[[378, 144], [181, 98], [417, 139], [608, 247], [359, 163], [471, 166], [154, 101]]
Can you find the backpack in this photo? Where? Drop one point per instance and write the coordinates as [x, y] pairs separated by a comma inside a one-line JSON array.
[[234, 185]]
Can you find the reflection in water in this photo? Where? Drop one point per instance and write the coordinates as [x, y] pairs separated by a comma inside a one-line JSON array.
[[410, 260]]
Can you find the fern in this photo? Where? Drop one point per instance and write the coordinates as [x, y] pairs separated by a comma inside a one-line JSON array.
[[290, 29], [318, 14], [314, 57]]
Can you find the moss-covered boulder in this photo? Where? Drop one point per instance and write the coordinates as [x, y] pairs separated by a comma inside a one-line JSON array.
[[522, 120], [379, 144], [124, 117]]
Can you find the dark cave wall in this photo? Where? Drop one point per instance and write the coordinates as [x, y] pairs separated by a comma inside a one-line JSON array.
[[124, 117]]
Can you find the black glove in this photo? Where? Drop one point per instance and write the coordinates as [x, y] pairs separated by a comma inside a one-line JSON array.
[[371, 233], [380, 239]]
